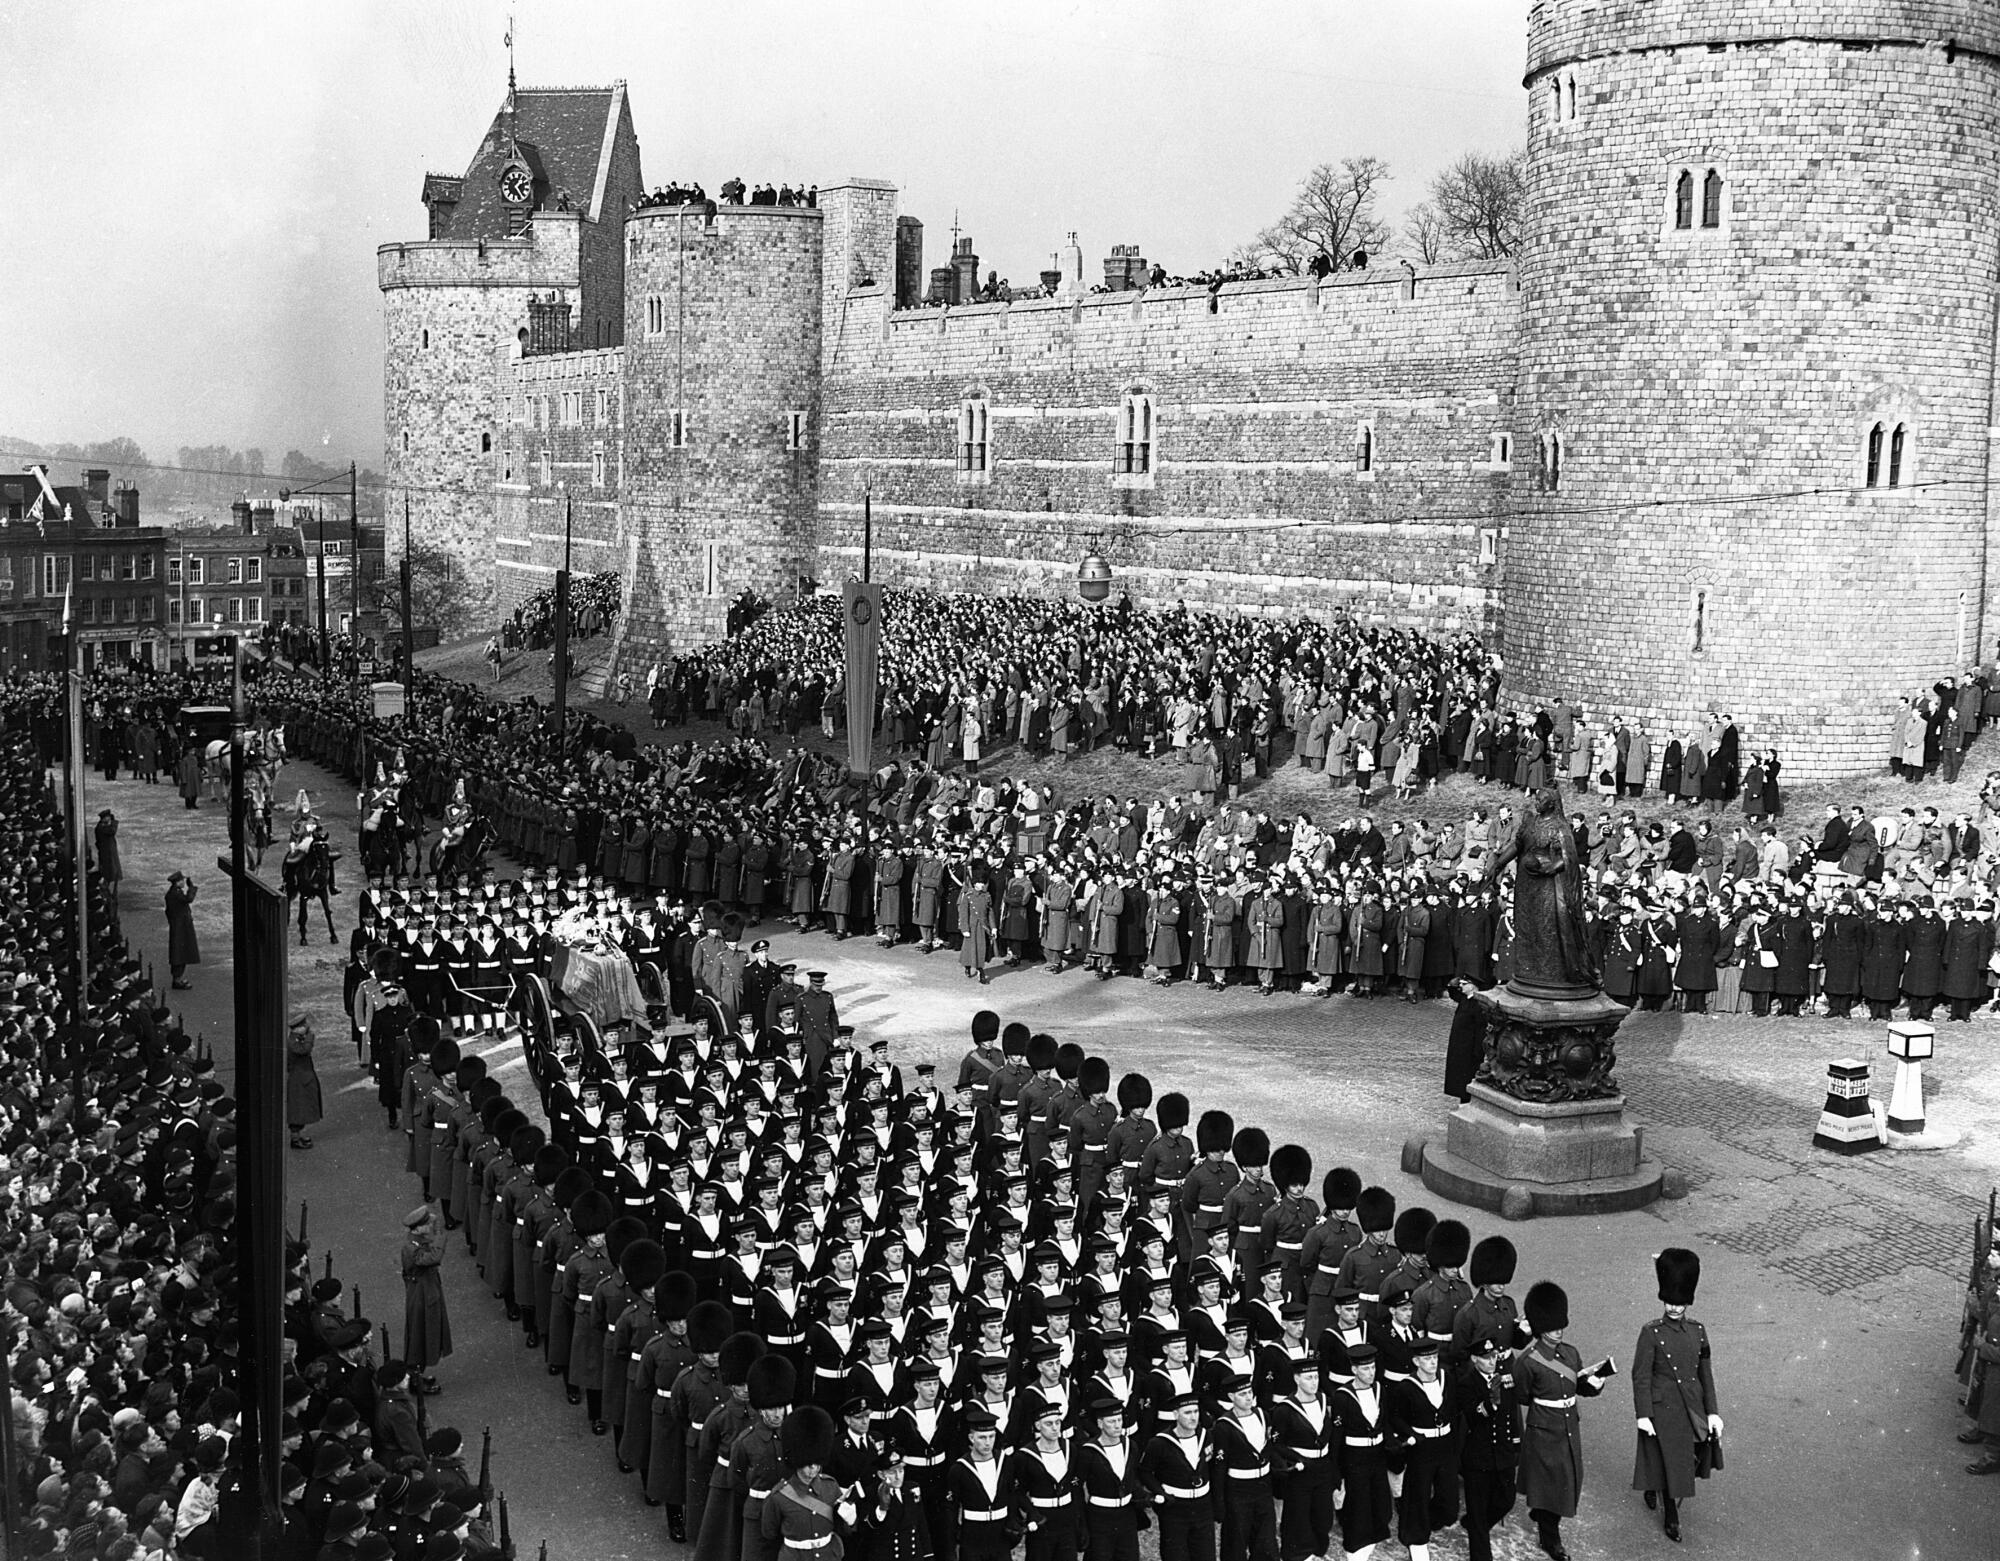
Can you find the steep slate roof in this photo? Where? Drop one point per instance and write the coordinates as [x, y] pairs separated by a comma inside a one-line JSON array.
[[564, 132]]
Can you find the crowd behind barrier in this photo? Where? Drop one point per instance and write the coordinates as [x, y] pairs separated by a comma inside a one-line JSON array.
[[118, 1232]]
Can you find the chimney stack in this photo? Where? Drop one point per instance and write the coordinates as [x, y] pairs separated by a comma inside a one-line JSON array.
[[125, 500], [965, 272], [909, 261], [239, 514], [97, 482], [261, 515]]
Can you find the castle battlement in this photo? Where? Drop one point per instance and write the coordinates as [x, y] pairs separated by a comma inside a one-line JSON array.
[[1564, 31], [550, 257]]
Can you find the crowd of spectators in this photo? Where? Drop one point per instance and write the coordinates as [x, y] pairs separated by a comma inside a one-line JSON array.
[[117, 1222], [733, 192], [1704, 903], [594, 602]]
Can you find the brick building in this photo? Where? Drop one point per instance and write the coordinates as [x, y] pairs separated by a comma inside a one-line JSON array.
[[1728, 404], [57, 536]]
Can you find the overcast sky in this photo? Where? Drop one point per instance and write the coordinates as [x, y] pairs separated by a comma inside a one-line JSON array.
[[198, 186]]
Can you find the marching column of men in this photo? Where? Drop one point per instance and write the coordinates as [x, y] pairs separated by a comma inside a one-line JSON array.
[[816, 1304]]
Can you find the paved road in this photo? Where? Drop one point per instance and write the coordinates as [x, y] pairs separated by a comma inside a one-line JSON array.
[[1830, 1287]]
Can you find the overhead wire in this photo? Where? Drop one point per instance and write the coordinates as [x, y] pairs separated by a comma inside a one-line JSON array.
[[1556, 510]]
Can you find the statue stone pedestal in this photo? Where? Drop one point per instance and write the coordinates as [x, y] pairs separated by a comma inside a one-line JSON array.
[[1546, 1122]]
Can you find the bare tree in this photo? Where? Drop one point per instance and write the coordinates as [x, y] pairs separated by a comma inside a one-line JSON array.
[[1424, 234], [1481, 203], [1334, 214]]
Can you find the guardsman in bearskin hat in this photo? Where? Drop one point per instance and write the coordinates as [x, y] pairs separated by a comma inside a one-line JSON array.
[[1551, 1378], [1673, 1392]]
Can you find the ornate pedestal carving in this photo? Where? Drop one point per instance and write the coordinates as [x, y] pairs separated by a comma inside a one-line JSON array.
[[1546, 1122]]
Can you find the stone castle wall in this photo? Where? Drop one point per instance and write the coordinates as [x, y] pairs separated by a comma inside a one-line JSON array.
[[1658, 434], [722, 324], [562, 423], [1693, 376], [447, 309], [1258, 497]]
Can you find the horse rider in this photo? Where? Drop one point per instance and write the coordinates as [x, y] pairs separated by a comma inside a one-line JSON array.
[[377, 806]]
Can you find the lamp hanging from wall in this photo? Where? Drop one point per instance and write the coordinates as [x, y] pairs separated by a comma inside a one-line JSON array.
[[1093, 575]]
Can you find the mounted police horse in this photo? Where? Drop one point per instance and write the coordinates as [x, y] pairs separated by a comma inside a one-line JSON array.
[[309, 875]]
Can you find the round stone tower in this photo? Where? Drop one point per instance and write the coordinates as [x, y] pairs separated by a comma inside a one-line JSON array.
[[722, 376], [1757, 363]]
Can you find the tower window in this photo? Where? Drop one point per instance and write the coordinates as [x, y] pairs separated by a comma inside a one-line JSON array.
[[1896, 442], [711, 569], [1698, 621], [1684, 200], [1556, 100], [1499, 452], [1711, 200], [679, 429], [974, 450], [656, 315], [795, 430], [427, 338], [1552, 461], [1569, 92], [1135, 435], [1875, 456], [485, 444], [1364, 450]]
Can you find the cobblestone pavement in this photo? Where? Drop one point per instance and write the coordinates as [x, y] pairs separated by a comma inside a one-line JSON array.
[[1831, 1286]]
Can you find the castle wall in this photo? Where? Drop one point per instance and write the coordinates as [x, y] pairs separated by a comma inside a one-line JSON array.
[[722, 323], [1257, 500], [447, 308], [562, 423], [1713, 541]]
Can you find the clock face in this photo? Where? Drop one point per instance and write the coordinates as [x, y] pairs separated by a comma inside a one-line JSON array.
[[516, 186]]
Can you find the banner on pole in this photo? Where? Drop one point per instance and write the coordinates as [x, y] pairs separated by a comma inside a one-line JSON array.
[[862, 606]]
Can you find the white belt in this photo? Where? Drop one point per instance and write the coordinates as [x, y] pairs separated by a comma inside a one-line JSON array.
[[1555, 1403], [1111, 1501], [983, 1514], [1249, 1230], [1257, 1473], [1199, 1493], [1290, 1246], [1371, 1296], [781, 1339], [1307, 1454], [911, 1461], [1048, 1502], [809, 1544], [760, 1495], [1363, 1441], [1430, 1431]]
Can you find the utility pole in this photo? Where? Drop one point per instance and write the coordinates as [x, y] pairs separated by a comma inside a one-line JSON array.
[[562, 624], [325, 650], [409, 640], [354, 548]]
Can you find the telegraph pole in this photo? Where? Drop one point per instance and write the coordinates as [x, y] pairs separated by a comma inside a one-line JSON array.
[[354, 549], [409, 640], [325, 650], [562, 626]]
